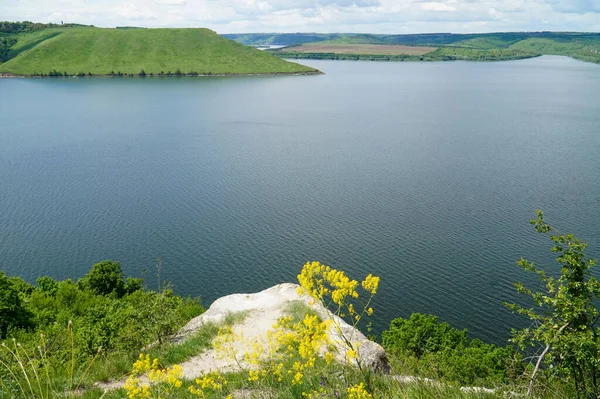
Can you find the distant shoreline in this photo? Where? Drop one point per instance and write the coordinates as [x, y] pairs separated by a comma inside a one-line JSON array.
[[4, 75], [428, 57]]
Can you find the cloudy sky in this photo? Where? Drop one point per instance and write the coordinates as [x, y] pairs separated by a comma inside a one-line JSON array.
[[369, 16]]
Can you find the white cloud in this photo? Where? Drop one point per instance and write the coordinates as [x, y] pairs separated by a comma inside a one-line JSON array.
[[133, 12], [375, 16], [435, 6], [171, 2]]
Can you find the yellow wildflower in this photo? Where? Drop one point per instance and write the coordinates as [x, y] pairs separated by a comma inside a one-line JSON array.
[[370, 284], [358, 392]]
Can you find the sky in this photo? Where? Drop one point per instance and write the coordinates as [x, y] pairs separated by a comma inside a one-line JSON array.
[[360, 16]]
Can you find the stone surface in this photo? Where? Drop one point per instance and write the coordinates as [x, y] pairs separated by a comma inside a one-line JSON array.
[[262, 310], [266, 307]]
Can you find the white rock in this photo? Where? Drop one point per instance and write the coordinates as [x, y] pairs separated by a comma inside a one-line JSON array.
[[266, 307]]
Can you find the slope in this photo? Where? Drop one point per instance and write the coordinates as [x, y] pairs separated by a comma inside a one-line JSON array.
[[130, 51]]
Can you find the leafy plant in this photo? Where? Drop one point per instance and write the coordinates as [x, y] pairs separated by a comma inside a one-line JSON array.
[[565, 315], [12, 312], [105, 278]]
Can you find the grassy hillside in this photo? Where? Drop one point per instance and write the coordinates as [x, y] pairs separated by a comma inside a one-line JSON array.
[[279, 39], [130, 51], [586, 48], [355, 39], [487, 46]]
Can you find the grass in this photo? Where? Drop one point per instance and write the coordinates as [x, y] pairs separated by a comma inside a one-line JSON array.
[[298, 310], [116, 366], [384, 387], [336, 380], [131, 51]]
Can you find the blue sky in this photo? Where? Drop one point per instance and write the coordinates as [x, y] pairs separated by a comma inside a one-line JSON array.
[[369, 16]]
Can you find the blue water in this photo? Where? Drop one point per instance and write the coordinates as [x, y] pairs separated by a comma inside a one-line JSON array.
[[423, 173]]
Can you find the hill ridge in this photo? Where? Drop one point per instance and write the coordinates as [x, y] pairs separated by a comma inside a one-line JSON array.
[[144, 52]]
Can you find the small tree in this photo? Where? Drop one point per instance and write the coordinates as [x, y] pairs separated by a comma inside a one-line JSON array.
[[565, 314], [105, 278]]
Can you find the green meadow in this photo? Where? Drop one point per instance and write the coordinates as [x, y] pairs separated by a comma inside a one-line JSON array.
[[97, 51]]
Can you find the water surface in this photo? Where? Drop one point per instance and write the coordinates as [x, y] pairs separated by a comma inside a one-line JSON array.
[[423, 173]]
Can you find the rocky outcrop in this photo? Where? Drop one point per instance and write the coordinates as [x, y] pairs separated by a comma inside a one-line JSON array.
[[264, 308], [261, 311]]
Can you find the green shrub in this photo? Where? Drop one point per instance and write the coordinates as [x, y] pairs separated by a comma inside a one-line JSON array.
[[12, 312], [105, 278], [426, 346], [421, 334]]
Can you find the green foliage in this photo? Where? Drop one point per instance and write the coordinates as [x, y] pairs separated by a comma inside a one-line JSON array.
[[5, 45], [77, 319], [423, 345], [27, 26], [99, 51], [421, 334], [47, 285], [12, 312], [133, 284], [565, 313], [23, 287], [105, 278]]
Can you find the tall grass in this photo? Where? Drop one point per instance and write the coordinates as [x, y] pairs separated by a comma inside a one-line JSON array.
[[30, 373]]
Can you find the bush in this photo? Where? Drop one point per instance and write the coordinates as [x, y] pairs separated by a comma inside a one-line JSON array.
[[12, 312], [421, 334], [105, 278], [47, 285], [427, 346]]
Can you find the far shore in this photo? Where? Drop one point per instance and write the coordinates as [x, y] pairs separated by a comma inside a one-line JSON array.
[[6, 75]]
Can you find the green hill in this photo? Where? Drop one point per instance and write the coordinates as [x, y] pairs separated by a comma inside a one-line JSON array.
[[358, 38], [281, 39], [97, 51], [474, 46]]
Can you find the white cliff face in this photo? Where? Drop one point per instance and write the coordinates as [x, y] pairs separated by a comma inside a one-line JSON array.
[[263, 309]]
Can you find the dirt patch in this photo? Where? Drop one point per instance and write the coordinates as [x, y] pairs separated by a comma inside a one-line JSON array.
[[372, 49]]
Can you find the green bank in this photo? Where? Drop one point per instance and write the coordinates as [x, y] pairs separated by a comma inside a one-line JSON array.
[[97, 51]]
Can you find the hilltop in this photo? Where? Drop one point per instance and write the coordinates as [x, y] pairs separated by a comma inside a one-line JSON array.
[[77, 50]]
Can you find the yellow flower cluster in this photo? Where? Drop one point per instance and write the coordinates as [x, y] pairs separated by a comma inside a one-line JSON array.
[[291, 346], [320, 280], [290, 355], [212, 382], [171, 376], [135, 390], [224, 343], [160, 380], [359, 392], [331, 286], [144, 364], [318, 394], [370, 284]]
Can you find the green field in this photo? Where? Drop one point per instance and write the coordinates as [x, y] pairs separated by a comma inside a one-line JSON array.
[[96, 51]]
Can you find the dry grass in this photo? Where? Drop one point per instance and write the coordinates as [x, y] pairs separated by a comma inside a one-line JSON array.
[[371, 49]]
